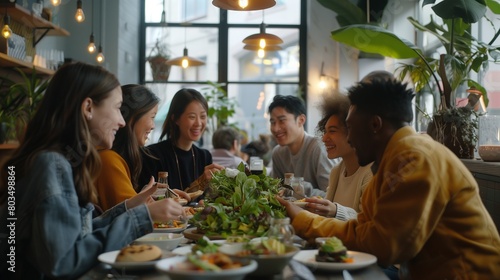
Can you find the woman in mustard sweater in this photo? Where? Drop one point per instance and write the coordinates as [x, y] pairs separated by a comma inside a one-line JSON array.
[[122, 164]]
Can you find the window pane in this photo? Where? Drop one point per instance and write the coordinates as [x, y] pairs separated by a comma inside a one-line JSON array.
[[253, 101], [245, 65], [199, 11], [201, 43], [284, 12]]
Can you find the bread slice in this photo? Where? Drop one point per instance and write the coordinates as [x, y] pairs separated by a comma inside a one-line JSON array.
[[139, 253]]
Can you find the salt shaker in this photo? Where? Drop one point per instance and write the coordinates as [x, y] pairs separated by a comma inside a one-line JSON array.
[[288, 181], [281, 229], [161, 191]]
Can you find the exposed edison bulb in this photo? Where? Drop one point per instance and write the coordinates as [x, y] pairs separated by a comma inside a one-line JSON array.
[[100, 55], [243, 3], [79, 15], [185, 63], [322, 82], [56, 2], [6, 31], [261, 53], [91, 47], [262, 43]]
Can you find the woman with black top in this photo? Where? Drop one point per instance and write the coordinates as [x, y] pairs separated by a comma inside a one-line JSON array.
[[189, 167]]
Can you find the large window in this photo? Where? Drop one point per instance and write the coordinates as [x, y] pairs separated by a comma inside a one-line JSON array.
[[215, 37]]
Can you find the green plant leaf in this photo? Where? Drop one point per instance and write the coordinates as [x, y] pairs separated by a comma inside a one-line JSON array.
[[375, 39], [469, 11], [494, 6]]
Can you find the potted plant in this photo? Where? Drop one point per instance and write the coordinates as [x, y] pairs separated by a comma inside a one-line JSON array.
[[157, 59], [220, 106], [18, 102], [455, 127]]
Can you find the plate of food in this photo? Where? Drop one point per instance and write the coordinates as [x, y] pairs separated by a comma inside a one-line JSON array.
[[332, 255], [193, 234], [133, 257], [170, 226]]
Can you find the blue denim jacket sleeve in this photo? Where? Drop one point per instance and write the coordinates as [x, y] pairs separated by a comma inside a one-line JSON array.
[[64, 241]]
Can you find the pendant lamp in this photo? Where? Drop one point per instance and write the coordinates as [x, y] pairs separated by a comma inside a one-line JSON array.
[[185, 60], [244, 5], [6, 31], [263, 39]]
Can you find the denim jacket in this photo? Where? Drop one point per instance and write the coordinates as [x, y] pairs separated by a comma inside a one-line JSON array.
[[54, 236]]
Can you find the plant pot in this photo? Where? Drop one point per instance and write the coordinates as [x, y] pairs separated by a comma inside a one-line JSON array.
[[159, 68], [450, 135]]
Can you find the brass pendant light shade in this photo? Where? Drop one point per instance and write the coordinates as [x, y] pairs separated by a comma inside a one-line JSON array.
[[256, 39], [244, 5], [185, 60], [266, 48]]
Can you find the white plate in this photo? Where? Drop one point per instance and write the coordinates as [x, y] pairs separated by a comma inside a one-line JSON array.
[[110, 257], [166, 230], [308, 258]]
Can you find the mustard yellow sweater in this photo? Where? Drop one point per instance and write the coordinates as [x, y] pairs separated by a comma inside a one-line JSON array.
[[422, 210], [114, 184]]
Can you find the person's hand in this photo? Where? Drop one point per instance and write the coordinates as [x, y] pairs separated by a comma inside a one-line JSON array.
[[211, 169], [144, 196], [182, 194], [291, 209], [165, 210], [320, 206]]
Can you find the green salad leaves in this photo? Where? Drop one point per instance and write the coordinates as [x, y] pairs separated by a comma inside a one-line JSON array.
[[239, 204]]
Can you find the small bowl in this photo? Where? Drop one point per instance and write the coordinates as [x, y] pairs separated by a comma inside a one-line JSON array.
[[267, 264], [170, 266], [489, 152], [165, 241]]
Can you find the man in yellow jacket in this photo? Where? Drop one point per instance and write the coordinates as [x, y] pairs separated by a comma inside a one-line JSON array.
[[422, 208]]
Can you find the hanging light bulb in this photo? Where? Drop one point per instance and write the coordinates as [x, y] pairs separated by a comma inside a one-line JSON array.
[[185, 60], [100, 55], [185, 63], [91, 47], [261, 53], [56, 2], [243, 4], [79, 15], [6, 31]]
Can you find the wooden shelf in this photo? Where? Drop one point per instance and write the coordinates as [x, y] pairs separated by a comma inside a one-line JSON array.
[[11, 62], [26, 17]]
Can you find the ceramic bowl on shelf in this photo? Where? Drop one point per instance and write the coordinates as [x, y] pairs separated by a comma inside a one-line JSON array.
[[489, 152]]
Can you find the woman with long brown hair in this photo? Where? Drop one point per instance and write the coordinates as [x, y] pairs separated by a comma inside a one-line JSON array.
[[54, 169]]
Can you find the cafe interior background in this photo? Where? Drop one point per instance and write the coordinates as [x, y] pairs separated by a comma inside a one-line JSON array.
[[308, 62]]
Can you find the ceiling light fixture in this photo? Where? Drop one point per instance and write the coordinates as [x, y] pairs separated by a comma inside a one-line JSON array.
[[244, 5], [262, 39], [163, 16], [91, 47], [6, 31], [100, 56], [79, 15], [185, 60], [56, 2]]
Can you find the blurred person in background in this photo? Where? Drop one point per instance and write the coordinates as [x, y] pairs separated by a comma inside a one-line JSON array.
[[226, 142]]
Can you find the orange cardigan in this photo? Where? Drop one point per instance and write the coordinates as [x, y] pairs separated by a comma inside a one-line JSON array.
[[114, 184]]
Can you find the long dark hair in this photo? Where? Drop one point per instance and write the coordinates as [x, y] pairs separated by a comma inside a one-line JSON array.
[[137, 101], [59, 125], [181, 100]]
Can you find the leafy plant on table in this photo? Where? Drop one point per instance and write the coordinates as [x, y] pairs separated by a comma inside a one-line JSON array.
[[239, 204]]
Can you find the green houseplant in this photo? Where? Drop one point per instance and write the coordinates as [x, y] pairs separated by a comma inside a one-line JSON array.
[[220, 106], [453, 126], [157, 58], [19, 100]]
